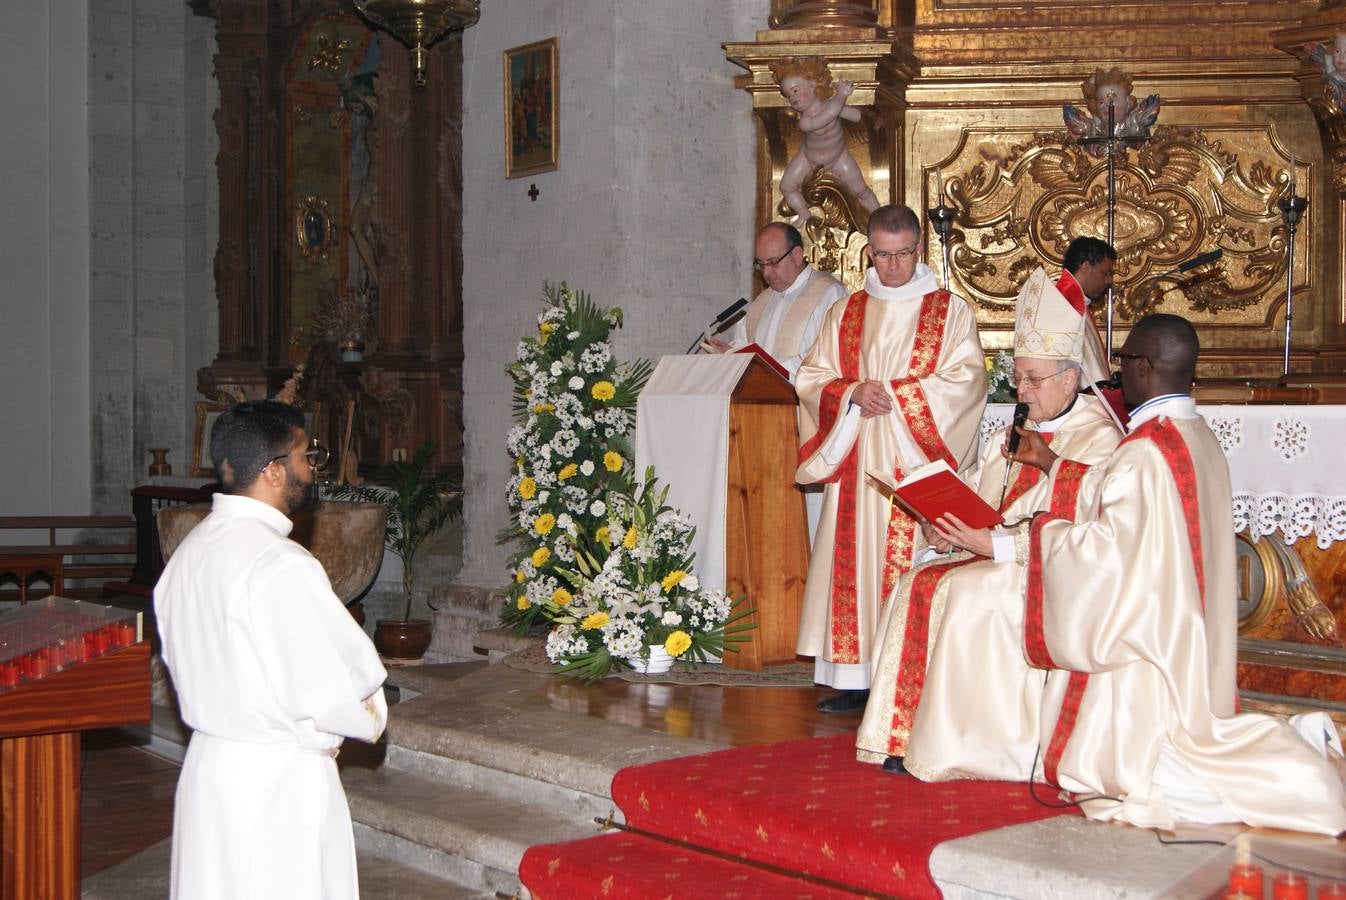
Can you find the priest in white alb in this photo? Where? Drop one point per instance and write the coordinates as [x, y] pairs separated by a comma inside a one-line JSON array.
[[785, 317], [1129, 609], [896, 380], [951, 611], [271, 672]]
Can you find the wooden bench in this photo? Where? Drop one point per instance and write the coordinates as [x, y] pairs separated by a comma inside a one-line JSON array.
[[85, 562]]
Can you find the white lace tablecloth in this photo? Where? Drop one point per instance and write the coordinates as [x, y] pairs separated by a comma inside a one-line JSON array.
[[1287, 465]]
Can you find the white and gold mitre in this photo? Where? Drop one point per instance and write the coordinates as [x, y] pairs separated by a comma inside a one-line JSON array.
[[1046, 325]]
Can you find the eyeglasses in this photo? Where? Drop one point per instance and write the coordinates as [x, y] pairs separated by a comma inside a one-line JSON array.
[[1033, 381], [895, 255], [760, 264], [317, 456], [1119, 357]]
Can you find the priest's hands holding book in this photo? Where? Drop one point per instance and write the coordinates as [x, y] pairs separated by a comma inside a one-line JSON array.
[[953, 531]]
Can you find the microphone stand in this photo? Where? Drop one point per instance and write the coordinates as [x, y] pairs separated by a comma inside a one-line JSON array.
[[1292, 210], [1112, 207], [941, 219]]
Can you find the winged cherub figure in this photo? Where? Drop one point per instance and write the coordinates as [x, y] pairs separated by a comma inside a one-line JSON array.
[[1333, 65], [806, 83], [1111, 89]]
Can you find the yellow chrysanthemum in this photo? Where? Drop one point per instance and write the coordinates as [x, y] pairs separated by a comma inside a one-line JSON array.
[[544, 523], [540, 408], [603, 536], [671, 579], [594, 620], [518, 463], [612, 461], [567, 472], [561, 597], [603, 391], [629, 542], [990, 365], [545, 329], [677, 643], [519, 576], [523, 603], [540, 556], [527, 488]]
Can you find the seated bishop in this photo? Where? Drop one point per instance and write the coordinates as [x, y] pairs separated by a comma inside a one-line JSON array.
[[936, 611], [1121, 647]]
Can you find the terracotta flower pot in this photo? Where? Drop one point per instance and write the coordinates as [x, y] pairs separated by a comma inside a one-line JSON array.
[[402, 642]]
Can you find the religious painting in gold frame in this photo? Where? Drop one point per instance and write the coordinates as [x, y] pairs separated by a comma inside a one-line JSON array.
[[531, 124]]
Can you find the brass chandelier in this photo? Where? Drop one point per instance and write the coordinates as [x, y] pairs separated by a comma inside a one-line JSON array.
[[419, 23]]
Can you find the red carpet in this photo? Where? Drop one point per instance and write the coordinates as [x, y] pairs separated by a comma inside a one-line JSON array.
[[807, 806]]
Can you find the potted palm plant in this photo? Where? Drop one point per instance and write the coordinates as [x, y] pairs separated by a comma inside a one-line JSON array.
[[419, 502]]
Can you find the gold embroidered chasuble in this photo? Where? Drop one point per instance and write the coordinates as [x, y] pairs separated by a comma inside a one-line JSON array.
[[923, 344], [1136, 602], [964, 631]]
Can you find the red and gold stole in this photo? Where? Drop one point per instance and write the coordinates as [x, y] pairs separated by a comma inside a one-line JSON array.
[[911, 400], [1179, 460]]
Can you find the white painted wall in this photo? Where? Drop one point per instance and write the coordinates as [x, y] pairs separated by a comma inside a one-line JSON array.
[[651, 208], [44, 255]]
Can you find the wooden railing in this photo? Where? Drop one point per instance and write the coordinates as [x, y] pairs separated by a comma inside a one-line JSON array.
[[85, 563]]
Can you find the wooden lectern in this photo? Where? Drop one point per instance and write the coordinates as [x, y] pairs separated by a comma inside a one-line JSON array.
[[766, 532], [721, 433], [40, 722]]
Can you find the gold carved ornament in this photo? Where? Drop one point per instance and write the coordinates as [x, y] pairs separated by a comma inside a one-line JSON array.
[[313, 228], [1177, 195], [328, 54]]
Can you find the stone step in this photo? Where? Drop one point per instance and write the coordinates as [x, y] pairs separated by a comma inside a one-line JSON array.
[[470, 837], [147, 874]]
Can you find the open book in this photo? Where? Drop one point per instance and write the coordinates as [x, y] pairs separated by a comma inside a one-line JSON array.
[[933, 490], [766, 358]]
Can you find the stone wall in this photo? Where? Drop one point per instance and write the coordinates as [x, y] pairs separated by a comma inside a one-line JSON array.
[[651, 208], [44, 249], [154, 221]]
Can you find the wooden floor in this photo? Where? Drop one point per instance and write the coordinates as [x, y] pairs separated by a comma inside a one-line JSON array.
[[127, 796]]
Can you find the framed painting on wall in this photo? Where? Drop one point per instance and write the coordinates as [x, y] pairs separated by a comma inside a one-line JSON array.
[[207, 411], [531, 126]]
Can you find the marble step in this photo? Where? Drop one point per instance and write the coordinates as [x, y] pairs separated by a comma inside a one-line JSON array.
[[470, 837]]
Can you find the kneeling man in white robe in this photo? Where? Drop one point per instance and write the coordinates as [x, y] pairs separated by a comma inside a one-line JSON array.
[[271, 672]]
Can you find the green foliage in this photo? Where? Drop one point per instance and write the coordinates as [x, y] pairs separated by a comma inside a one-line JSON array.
[[419, 502]]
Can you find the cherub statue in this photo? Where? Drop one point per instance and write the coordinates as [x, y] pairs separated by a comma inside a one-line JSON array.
[[1333, 65], [1110, 90], [806, 83]]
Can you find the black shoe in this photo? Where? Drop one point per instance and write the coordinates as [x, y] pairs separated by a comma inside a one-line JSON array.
[[894, 764], [846, 701]]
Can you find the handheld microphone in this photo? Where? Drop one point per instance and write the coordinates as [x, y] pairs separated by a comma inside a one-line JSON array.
[[1020, 419], [1012, 445], [1191, 264], [728, 312]]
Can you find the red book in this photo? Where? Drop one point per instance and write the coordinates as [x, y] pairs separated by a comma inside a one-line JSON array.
[[934, 489], [766, 358]]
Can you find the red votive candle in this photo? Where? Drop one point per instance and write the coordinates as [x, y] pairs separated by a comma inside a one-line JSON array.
[[99, 639], [1245, 878], [1290, 886], [40, 664], [126, 631], [9, 674], [1332, 890]]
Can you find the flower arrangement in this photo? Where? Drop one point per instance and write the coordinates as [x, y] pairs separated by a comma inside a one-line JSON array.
[[1000, 377], [574, 405], [632, 589]]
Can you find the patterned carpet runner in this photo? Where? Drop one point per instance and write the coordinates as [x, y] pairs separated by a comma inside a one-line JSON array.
[[803, 806]]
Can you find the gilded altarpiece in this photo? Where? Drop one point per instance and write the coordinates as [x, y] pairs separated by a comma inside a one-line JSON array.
[[962, 100]]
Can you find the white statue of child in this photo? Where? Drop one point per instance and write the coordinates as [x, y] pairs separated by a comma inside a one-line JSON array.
[[807, 84]]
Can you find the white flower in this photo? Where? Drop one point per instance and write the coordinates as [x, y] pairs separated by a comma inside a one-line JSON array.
[[556, 369], [690, 582], [671, 618], [576, 382], [597, 508], [564, 521], [572, 335], [587, 468]]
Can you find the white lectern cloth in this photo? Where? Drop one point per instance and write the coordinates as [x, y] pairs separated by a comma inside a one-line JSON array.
[[682, 429]]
